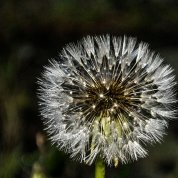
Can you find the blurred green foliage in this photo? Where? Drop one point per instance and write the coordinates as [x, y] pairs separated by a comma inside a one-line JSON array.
[[31, 32]]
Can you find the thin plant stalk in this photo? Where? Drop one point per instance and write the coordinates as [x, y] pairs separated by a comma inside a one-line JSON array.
[[99, 169]]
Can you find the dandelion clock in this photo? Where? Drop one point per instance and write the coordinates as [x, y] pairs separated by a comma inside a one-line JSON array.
[[105, 98]]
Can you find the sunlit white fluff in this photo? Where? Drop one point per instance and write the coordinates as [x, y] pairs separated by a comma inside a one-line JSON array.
[[106, 97]]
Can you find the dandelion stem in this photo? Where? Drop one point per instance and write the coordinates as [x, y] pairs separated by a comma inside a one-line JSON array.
[[99, 169]]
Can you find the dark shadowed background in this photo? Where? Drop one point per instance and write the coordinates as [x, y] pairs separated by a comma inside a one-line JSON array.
[[33, 31]]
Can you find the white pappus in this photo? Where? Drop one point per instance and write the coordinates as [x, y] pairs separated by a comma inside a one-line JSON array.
[[107, 97]]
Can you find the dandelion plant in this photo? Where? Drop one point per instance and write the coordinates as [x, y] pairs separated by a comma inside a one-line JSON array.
[[106, 97]]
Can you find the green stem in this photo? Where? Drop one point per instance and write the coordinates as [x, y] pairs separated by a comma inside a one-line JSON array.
[[99, 169]]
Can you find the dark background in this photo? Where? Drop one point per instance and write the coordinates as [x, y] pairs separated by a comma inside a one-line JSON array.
[[33, 31]]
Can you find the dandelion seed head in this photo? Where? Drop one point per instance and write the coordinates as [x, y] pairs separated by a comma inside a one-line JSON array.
[[106, 97]]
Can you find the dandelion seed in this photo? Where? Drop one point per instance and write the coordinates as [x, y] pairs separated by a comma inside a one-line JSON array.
[[105, 97], [101, 95]]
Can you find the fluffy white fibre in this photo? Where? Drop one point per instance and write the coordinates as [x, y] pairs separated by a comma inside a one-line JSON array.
[[106, 97]]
